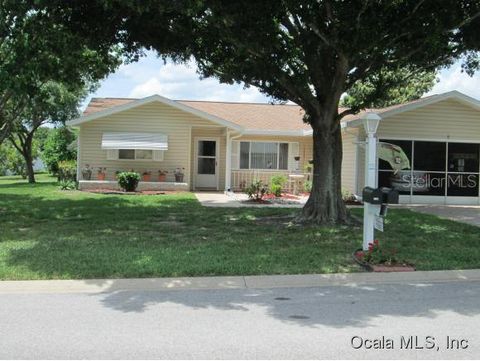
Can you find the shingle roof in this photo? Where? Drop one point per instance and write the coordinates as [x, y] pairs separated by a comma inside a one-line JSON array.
[[98, 104], [258, 116], [251, 116]]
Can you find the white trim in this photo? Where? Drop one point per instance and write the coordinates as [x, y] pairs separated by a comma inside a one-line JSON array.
[[151, 99], [217, 158], [465, 99]]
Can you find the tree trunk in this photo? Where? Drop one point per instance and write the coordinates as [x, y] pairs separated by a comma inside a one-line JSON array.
[[325, 204], [27, 155]]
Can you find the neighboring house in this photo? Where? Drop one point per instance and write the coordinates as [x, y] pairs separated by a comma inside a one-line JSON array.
[[225, 145]]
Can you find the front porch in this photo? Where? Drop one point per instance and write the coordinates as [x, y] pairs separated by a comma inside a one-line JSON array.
[[243, 178]]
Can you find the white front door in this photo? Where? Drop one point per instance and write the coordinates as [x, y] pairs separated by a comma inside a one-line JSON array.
[[206, 163]]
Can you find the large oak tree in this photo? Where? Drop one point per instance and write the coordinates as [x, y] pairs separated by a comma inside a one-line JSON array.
[[309, 52]]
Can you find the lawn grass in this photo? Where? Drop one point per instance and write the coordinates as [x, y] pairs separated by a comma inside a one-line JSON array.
[[46, 233]]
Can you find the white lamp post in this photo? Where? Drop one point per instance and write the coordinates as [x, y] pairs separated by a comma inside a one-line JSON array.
[[370, 123]]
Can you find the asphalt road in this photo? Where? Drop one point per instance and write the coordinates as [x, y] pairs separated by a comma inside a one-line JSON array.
[[245, 323]]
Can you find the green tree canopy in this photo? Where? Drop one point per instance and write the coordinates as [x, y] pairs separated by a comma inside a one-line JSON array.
[[35, 49], [398, 86]]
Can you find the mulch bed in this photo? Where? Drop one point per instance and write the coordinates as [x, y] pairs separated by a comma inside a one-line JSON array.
[[285, 198]]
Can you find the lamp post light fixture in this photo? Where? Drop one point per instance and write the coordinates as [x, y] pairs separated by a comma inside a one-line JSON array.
[[370, 121]]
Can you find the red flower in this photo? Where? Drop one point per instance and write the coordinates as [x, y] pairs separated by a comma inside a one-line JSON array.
[[360, 254], [376, 242]]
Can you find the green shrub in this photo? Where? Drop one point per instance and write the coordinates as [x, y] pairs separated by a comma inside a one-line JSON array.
[[276, 189], [279, 179], [307, 186], [128, 181], [67, 170], [256, 190], [67, 185], [277, 182]]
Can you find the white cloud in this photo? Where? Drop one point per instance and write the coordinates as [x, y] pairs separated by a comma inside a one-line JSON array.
[[182, 82], [455, 79]]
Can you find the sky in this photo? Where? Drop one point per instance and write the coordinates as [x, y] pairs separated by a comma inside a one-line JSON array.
[[151, 76]]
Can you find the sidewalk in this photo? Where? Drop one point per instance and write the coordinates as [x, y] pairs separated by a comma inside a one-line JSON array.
[[235, 200], [235, 282]]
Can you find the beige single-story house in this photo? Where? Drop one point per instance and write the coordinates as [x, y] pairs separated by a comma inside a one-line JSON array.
[[225, 145]]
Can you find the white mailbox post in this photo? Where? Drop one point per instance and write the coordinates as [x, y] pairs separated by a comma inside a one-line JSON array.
[[370, 123]]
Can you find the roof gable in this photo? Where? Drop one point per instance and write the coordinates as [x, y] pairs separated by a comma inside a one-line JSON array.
[[416, 104], [124, 104]]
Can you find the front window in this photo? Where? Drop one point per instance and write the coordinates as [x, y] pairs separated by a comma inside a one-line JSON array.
[[139, 154], [263, 155]]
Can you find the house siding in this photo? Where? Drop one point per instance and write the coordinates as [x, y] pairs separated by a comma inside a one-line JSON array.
[[349, 171], [445, 120], [149, 118]]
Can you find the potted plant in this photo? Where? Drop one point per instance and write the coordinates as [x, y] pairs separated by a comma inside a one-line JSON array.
[[101, 173], [87, 172], [128, 181], [146, 176], [162, 175], [179, 175]]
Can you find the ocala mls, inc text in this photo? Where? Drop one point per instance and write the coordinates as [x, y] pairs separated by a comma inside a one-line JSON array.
[[409, 343]]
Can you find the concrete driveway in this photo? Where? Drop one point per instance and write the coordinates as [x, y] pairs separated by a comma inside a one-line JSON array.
[[465, 214]]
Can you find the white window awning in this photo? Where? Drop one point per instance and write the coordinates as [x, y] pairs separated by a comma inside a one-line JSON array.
[[153, 141]]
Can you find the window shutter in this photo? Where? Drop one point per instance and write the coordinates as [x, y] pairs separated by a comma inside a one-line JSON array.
[[112, 154], [158, 155], [293, 151], [235, 154]]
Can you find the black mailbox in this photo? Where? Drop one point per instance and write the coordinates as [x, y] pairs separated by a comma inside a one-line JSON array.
[[389, 195], [372, 195]]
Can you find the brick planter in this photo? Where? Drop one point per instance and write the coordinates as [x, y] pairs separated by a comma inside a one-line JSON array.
[[393, 268]]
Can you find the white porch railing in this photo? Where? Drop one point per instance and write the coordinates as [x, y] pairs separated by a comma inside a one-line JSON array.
[[244, 177]]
